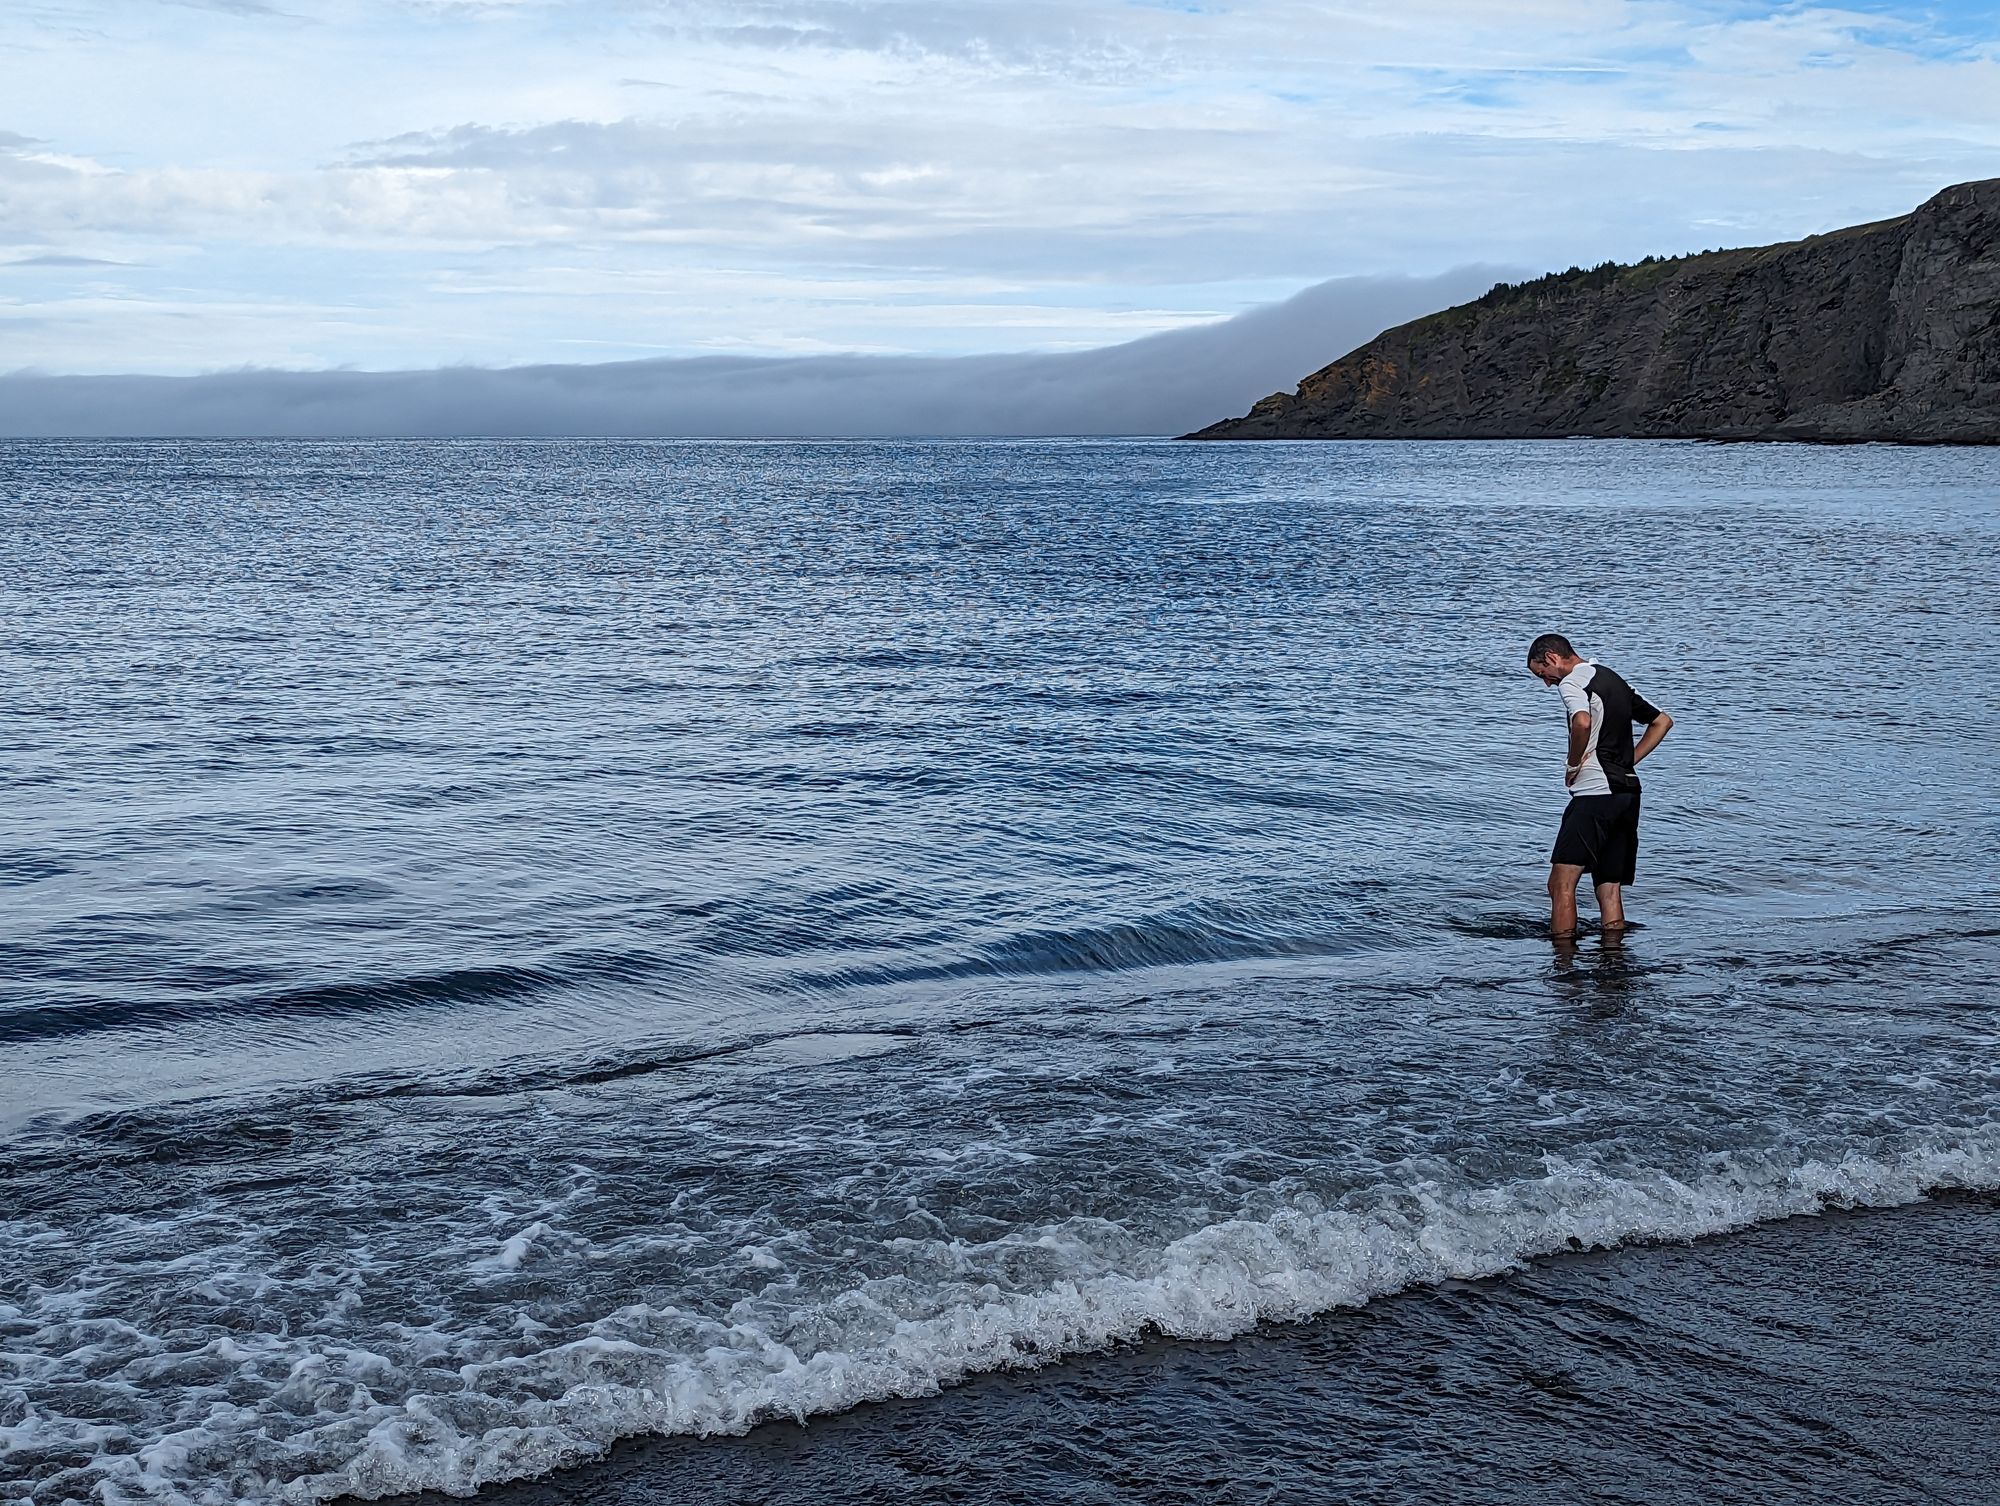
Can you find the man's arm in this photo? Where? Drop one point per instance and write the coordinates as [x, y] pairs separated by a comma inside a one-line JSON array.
[[1656, 730], [1579, 741]]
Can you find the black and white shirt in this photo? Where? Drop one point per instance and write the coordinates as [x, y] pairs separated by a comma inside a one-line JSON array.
[[1613, 706]]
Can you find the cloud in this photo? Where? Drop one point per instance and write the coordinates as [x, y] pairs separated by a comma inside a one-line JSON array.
[[1165, 383], [255, 8], [712, 167], [56, 259]]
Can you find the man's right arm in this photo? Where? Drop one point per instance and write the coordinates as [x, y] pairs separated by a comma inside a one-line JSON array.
[[1656, 729], [1658, 725]]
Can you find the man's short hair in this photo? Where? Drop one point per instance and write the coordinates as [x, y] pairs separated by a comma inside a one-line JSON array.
[[1550, 644]]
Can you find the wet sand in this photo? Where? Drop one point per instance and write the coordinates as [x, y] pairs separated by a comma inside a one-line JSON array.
[[1848, 1357]]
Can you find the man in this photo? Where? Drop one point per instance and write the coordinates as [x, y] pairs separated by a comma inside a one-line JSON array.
[[1600, 829]]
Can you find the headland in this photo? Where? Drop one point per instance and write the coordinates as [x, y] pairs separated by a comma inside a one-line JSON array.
[[1881, 332]]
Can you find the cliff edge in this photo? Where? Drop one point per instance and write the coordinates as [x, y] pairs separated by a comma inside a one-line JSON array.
[[1889, 331]]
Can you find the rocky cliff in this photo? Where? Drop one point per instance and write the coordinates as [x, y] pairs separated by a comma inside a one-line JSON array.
[[1888, 331]]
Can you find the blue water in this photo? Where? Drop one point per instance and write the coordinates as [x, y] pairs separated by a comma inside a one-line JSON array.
[[506, 946]]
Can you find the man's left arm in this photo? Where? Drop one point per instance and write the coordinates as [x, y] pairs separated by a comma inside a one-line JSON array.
[[1579, 746], [1576, 711]]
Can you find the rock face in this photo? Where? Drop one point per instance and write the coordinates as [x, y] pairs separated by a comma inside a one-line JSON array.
[[1888, 331]]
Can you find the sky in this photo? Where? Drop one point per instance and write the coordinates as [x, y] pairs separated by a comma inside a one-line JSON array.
[[203, 185]]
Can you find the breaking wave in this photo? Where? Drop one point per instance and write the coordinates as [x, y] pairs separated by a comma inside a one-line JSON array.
[[311, 1416]]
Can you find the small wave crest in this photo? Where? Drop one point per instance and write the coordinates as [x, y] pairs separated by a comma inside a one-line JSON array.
[[1197, 934], [204, 995], [336, 1419]]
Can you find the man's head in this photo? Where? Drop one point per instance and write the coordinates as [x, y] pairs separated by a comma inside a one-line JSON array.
[[1550, 657]]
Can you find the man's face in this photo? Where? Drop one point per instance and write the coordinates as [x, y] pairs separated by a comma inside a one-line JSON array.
[[1549, 669]]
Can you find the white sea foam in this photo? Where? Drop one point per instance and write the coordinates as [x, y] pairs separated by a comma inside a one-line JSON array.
[[514, 1251], [658, 1369]]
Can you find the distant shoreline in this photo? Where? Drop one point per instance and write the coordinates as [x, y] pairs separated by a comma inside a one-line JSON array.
[[1835, 441]]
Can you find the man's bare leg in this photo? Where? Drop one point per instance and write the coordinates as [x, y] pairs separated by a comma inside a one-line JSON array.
[[1562, 897], [1611, 906]]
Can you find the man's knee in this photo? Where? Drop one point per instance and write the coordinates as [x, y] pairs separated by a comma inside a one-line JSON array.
[[1562, 879]]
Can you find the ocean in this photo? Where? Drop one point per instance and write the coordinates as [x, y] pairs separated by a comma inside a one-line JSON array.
[[541, 967]]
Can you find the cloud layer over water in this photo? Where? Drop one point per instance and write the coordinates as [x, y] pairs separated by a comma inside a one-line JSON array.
[[1161, 384]]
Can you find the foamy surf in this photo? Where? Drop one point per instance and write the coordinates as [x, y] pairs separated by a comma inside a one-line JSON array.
[[325, 1419]]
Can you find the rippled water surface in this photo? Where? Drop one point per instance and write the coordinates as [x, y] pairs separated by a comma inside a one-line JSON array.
[[508, 946]]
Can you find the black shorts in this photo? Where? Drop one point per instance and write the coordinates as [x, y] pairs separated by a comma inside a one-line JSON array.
[[1601, 833]]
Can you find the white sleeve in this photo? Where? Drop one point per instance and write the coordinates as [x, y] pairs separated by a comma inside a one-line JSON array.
[[1575, 697]]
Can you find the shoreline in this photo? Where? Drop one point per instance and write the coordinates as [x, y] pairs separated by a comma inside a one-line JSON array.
[[1839, 1352]]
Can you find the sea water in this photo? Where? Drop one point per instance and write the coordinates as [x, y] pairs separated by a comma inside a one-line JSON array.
[[506, 946]]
